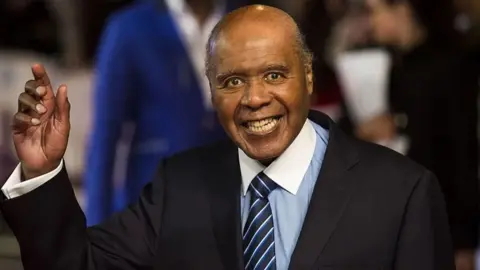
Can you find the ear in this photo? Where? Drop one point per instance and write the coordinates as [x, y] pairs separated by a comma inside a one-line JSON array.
[[309, 77]]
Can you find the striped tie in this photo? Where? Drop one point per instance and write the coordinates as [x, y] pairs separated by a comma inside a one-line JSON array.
[[258, 235]]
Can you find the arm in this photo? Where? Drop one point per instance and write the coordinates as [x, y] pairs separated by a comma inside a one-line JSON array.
[[424, 241], [111, 95], [51, 229]]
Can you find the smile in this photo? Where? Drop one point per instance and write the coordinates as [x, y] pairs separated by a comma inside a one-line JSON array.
[[263, 126]]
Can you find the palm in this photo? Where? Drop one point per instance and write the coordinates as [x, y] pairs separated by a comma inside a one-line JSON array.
[[40, 145]]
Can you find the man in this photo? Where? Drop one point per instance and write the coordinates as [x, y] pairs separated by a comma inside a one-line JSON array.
[[149, 70], [261, 202]]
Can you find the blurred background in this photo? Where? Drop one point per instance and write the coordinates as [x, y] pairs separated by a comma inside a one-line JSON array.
[[401, 73]]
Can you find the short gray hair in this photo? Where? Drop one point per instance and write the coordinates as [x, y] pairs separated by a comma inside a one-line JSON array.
[[303, 51]]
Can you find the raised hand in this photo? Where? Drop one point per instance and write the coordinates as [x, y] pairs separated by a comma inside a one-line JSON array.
[[42, 125]]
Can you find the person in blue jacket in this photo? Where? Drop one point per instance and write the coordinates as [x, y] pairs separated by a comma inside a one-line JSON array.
[[149, 74]]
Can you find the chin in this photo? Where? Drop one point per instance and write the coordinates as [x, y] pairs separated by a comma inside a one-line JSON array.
[[265, 155]]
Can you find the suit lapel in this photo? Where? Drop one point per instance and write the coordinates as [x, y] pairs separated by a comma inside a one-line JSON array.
[[225, 182], [330, 196]]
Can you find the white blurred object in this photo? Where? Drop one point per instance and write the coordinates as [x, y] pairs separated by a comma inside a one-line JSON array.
[[364, 77]]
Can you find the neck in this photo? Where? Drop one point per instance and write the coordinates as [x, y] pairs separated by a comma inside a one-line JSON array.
[[201, 9]]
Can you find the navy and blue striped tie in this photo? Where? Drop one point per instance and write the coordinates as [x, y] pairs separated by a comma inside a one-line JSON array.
[[258, 234]]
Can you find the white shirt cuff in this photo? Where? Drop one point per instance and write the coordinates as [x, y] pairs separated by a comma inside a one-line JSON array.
[[14, 187]]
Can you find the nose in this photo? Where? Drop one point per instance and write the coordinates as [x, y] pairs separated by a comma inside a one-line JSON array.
[[256, 96]]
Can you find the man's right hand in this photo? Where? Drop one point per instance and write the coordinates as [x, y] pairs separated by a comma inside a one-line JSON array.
[[41, 126]]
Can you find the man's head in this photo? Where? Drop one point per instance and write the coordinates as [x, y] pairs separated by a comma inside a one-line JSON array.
[[261, 79]]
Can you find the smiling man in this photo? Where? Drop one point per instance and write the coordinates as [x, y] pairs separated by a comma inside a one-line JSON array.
[[261, 78], [289, 191]]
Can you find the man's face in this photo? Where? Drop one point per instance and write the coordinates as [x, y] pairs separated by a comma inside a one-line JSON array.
[[260, 88]]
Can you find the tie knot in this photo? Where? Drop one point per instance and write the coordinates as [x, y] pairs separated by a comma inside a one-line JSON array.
[[262, 185]]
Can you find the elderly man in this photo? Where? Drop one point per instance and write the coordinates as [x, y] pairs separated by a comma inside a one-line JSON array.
[[289, 191]]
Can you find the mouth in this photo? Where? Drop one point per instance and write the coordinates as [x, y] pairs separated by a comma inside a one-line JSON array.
[[262, 126]]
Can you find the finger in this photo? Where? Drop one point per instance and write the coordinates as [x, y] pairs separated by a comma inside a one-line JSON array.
[[35, 89], [23, 121], [41, 76], [62, 111], [31, 88], [29, 105]]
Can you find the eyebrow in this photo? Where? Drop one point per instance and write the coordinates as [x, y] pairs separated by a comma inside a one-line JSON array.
[[274, 67], [277, 67]]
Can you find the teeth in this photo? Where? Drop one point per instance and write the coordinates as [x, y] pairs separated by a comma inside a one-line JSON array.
[[264, 125]]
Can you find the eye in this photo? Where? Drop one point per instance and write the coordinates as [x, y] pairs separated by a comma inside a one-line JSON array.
[[234, 82], [273, 77]]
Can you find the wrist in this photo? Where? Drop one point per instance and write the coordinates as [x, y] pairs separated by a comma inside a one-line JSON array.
[[30, 173]]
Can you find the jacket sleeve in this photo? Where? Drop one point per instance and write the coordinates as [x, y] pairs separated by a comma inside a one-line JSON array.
[[51, 229], [424, 242], [113, 86]]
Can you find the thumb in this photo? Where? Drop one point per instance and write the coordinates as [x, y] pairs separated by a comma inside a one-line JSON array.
[[62, 109]]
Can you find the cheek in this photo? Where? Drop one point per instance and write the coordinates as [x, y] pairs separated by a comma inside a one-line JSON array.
[[294, 97], [225, 105]]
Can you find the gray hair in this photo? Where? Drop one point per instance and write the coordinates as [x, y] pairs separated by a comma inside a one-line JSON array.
[[301, 47]]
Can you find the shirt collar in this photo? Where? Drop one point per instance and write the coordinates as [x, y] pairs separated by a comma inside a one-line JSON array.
[[287, 170]]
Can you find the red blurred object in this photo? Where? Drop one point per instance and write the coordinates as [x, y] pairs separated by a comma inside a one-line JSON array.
[[327, 100]]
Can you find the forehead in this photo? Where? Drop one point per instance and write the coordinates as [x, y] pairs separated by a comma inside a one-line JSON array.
[[252, 46]]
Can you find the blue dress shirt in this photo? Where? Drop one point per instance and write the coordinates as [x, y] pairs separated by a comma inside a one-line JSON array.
[[289, 209]]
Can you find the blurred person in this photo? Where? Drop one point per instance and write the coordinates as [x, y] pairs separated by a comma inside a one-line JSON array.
[[331, 27], [149, 73], [432, 101], [289, 190]]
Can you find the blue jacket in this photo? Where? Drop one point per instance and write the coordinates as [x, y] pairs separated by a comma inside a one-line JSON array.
[[145, 77]]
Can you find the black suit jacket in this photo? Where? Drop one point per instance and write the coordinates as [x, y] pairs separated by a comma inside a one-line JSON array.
[[371, 209]]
